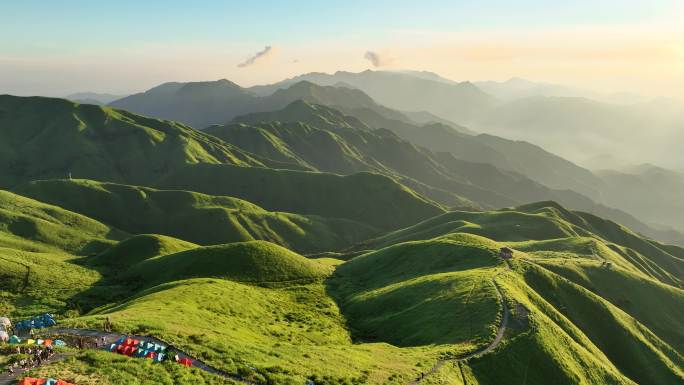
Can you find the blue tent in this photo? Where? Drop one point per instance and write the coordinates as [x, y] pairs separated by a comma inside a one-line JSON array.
[[43, 321]]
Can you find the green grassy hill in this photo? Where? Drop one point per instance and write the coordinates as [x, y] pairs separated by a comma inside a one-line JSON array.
[[195, 217], [321, 138], [103, 144], [140, 248], [644, 299], [88, 141], [424, 293], [584, 300], [392, 295], [316, 137], [256, 261], [364, 197], [39, 269], [635, 350], [26, 224], [558, 229]]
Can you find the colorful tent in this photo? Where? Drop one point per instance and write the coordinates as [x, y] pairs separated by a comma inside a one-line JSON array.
[[185, 362], [14, 340], [42, 381], [43, 321], [136, 348]]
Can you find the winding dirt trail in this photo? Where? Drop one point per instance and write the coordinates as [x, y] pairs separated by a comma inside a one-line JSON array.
[[491, 346]]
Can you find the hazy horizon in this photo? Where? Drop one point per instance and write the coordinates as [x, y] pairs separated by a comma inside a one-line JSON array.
[[608, 46]]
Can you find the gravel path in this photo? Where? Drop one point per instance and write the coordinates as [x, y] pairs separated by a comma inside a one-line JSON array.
[[492, 345]]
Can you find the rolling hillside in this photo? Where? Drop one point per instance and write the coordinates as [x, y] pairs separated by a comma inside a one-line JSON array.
[[321, 138], [195, 238], [368, 198], [29, 225], [88, 141], [194, 217], [103, 144], [327, 140], [431, 292]]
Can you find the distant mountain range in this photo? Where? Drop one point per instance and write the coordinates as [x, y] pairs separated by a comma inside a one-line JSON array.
[[453, 150], [221, 101], [323, 139], [93, 98], [100, 143], [652, 193], [519, 88], [205, 103], [458, 102]]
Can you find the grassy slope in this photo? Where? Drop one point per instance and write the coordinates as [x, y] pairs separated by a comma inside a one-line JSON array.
[[26, 224], [644, 299], [139, 248], [196, 217], [36, 282], [546, 346], [39, 271], [547, 221], [631, 347], [256, 261], [310, 135], [287, 334], [363, 197], [102, 368], [429, 292], [324, 139], [432, 296], [97, 142]]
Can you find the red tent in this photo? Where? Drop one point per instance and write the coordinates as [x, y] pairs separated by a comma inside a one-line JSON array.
[[185, 361], [40, 381]]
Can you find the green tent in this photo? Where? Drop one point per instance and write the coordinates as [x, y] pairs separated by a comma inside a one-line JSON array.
[[14, 340]]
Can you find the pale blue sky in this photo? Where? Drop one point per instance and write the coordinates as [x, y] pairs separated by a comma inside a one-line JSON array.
[[57, 46]]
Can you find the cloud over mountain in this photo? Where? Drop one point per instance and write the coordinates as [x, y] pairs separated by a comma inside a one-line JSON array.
[[264, 53], [376, 58]]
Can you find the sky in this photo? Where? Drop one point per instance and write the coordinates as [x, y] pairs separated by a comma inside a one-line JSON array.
[[59, 47]]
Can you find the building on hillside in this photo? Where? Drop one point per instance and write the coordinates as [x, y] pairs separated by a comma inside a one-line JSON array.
[[506, 253]]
